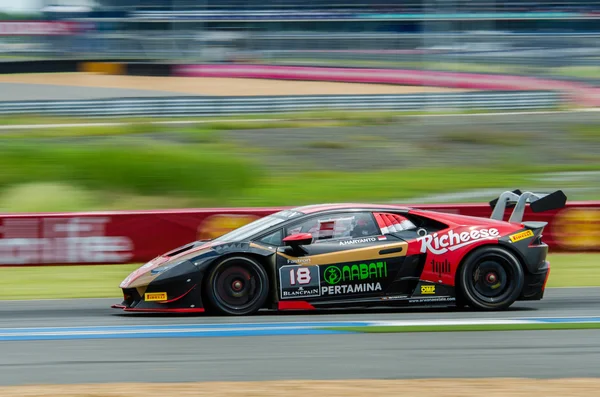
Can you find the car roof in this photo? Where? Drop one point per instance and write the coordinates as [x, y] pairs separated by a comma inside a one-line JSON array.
[[315, 208]]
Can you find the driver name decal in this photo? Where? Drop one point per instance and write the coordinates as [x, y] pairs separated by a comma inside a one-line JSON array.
[[359, 241], [454, 240]]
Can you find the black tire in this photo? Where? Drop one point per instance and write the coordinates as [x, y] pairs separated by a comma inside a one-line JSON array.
[[491, 278], [237, 286]]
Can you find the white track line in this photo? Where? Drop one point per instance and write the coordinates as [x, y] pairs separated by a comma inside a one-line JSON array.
[[117, 124], [184, 122]]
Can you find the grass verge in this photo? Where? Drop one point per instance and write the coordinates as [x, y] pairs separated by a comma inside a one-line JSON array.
[[225, 122], [585, 132], [102, 281], [161, 175], [271, 120], [142, 167], [58, 282], [335, 186]]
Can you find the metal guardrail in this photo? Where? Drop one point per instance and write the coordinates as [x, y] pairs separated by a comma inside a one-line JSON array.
[[209, 106]]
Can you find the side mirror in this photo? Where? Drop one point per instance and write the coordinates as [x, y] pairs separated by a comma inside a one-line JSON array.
[[298, 239]]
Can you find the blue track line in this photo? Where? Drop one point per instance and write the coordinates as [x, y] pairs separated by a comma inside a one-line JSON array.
[[564, 320], [243, 329], [190, 334], [173, 331]]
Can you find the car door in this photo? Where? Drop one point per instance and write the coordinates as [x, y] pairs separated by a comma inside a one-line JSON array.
[[349, 258]]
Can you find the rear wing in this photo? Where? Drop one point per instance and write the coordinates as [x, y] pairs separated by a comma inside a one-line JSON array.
[[539, 202]]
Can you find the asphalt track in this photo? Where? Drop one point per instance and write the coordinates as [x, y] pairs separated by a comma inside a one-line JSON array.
[[540, 354]]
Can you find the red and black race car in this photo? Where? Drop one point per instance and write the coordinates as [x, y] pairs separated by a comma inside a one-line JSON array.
[[354, 255]]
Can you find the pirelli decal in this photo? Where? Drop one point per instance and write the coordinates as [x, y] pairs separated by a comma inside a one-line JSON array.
[[521, 236], [155, 296]]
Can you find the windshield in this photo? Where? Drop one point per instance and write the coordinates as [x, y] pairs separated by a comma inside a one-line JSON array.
[[259, 225]]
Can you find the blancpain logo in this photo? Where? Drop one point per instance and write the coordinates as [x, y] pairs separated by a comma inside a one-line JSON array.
[[452, 241]]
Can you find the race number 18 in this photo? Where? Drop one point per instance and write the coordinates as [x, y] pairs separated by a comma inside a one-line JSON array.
[[299, 282], [300, 275]]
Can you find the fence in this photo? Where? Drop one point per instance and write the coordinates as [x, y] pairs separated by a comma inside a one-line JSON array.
[[492, 51], [486, 46], [134, 237]]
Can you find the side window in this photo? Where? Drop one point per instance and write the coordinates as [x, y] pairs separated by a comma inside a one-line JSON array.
[[391, 223], [273, 238], [336, 226]]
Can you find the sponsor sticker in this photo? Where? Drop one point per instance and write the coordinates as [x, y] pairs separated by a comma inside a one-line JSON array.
[[220, 224], [577, 228], [433, 299], [393, 298], [61, 240], [452, 240], [428, 289], [350, 289], [335, 274], [300, 292], [521, 236], [155, 296]]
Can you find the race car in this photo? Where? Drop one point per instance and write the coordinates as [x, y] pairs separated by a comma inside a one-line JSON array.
[[354, 256]]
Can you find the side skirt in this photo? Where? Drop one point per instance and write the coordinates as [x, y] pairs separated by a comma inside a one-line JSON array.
[[397, 301]]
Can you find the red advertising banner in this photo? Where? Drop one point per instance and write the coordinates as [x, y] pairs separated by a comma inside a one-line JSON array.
[[37, 28], [137, 237]]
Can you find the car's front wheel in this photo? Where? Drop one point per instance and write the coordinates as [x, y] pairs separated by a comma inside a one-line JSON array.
[[237, 285], [491, 278]]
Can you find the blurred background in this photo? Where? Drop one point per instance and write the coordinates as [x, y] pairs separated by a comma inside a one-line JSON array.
[[555, 38], [351, 98]]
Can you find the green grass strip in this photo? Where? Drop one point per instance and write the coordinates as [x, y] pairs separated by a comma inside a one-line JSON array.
[[143, 167], [465, 328], [61, 282], [299, 119]]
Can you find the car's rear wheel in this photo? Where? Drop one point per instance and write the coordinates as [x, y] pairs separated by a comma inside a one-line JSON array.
[[491, 279], [237, 285]]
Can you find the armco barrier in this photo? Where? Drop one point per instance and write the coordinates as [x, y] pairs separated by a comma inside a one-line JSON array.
[[134, 237], [209, 106], [580, 93]]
